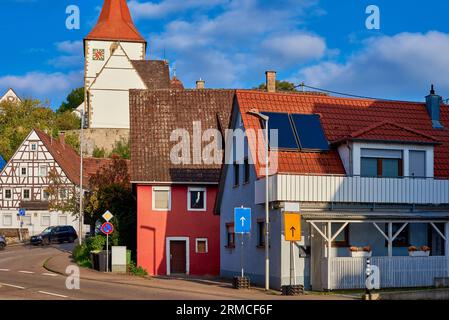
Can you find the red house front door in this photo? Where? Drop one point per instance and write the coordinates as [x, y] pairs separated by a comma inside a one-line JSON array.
[[178, 257]]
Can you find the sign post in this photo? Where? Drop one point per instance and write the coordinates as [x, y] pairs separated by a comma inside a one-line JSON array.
[[292, 232], [21, 214], [107, 228], [242, 225]]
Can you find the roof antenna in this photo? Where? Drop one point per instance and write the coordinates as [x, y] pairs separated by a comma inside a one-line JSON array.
[[432, 90]]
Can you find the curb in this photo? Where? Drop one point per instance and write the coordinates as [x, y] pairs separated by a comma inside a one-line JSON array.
[[45, 265]]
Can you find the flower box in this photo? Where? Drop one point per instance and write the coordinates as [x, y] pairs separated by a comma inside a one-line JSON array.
[[361, 254], [419, 253]]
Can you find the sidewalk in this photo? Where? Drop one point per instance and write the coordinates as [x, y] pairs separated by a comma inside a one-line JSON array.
[[215, 287]]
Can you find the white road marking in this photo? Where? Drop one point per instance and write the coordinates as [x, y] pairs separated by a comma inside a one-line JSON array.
[[53, 294], [12, 286], [50, 274], [27, 272], [5, 270]]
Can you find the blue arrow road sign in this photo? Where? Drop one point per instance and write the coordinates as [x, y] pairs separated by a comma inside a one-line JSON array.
[[242, 220], [22, 212]]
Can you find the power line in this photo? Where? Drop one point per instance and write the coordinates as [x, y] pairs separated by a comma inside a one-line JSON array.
[[302, 85]]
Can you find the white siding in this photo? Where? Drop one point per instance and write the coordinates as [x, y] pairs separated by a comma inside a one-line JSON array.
[[354, 189]]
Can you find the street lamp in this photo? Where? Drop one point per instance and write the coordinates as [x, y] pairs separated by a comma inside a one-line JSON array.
[[81, 215], [266, 119]]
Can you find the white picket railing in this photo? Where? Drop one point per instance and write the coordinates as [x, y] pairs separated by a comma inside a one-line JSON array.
[[395, 272], [334, 188]]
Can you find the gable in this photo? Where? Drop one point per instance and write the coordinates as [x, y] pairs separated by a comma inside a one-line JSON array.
[[118, 73], [10, 96]]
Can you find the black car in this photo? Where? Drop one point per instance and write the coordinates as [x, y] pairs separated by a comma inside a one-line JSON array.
[[57, 234], [2, 242]]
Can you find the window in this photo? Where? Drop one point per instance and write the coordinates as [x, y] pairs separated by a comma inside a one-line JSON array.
[[381, 163], [45, 195], [236, 174], [246, 171], [45, 221], [33, 146], [7, 220], [402, 240], [62, 220], [23, 171], [26, 220], [161, 199], [201, 245], [63, 194], [197, 199], [43, 171], [261, 234], [7, 194], [230, 235], [417, 164], [342, 240], [26, 194]]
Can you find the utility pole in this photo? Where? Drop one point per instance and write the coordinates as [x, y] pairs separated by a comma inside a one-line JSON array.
[[267, 203], [81, 216]]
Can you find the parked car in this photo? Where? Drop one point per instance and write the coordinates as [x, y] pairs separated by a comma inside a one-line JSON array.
[[57, 234], [2, 242]]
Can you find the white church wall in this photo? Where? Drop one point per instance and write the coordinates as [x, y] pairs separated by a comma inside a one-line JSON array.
[[110, 109]]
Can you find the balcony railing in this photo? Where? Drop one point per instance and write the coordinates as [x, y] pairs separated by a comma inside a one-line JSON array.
[[354, 189]]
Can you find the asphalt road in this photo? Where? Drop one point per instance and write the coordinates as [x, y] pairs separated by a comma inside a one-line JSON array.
[[22, 276]]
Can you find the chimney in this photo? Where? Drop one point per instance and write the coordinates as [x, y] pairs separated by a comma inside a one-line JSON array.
[[271, 81], [433, 105], [62, 137], [200, 84]]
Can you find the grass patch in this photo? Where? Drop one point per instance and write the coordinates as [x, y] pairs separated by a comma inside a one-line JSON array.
[[136, 271]]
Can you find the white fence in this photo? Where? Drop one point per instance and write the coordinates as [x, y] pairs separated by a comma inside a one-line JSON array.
[[328, 188], [395, 272]]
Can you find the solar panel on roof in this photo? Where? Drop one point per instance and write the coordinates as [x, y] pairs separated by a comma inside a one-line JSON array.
[[310, 132], [286, 136]]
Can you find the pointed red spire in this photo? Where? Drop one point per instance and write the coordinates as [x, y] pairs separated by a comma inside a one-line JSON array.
[[115, 23]]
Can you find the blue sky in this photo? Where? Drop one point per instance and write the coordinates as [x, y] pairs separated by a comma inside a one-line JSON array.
[[230, 43]]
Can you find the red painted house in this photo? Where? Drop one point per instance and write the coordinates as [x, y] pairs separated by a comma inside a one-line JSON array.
[[177, 230]]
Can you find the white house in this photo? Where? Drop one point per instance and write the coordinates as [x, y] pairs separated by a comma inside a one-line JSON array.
[[25, 178], [10, 96], [362, 174]]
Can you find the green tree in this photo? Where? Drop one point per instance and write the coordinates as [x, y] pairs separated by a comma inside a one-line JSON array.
[[110, 189], [73, 100], [18, 119], [280, 86]]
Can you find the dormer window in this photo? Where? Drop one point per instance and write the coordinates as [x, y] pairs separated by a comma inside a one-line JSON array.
[[381, 163]]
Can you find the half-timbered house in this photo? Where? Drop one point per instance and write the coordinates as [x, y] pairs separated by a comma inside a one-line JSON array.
[[25, 180]]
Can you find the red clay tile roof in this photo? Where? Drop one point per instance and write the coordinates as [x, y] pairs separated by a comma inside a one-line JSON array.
[[153, 117], [115, 23], [176, 84], [390, 132], [154, 73], [343, 117], [69, 160]]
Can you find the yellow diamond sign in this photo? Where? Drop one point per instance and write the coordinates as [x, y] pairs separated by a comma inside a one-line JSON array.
[[108, 216]]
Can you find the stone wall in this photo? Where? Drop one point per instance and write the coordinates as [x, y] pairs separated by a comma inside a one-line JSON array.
[[101, 138], [12, 235]]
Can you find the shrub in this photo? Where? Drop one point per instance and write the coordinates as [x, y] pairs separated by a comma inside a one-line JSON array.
[[99, 153], [96, 243], [137, 271]]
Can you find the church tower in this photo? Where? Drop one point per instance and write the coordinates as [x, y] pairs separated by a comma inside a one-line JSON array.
[[114, 27]]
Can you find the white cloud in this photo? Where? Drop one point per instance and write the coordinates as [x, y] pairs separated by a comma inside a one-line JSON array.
[[71, 55], [403, 65], [72, 47], [43, 84], [295, 48], [150, 9], [236, 45]]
